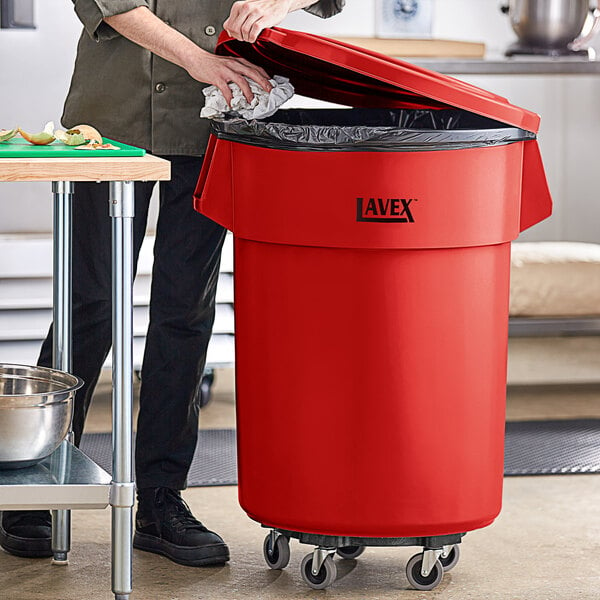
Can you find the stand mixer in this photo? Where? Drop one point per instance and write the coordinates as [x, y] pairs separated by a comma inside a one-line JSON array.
[[552, 27]]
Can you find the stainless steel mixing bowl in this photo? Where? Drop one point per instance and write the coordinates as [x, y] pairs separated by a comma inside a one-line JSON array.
[[548, 23], [36, 405]]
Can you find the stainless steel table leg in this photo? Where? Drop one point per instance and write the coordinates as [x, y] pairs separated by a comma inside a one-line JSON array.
[[122, 210], [62, 349]]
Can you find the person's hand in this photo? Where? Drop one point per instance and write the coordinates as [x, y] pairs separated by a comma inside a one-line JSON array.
[[249, 17], [221, 70]]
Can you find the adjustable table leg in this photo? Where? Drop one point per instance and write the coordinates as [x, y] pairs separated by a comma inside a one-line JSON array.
[[122, 210], [62, 192]]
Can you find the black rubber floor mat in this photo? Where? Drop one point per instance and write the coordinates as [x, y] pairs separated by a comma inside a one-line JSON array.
[[552, 447], [214, 461], [532, 448]]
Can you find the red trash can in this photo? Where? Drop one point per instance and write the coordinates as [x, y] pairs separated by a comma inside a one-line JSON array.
[[371, 300]]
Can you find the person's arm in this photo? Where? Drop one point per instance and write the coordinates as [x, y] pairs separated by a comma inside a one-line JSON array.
[[91, 13], [141, 26], [249, 17]]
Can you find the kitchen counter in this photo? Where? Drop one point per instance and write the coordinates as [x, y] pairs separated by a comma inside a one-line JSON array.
[[469, 58], [500, 65]]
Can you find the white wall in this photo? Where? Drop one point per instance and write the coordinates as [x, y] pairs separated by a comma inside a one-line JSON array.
[[44, 55], [35, 67], [470, 20]]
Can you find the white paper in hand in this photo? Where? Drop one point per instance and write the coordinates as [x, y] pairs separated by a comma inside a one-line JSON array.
[[264, 104]]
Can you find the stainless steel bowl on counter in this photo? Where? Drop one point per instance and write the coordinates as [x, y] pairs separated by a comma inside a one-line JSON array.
[[36, 406], [551, 24]]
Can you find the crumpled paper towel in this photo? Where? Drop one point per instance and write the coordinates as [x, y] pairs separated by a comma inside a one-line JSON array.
[[264, 104]]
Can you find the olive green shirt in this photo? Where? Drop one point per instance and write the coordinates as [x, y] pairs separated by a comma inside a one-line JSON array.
[[136, 97]]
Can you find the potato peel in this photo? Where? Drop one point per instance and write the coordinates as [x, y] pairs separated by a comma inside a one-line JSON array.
[[7, 134]]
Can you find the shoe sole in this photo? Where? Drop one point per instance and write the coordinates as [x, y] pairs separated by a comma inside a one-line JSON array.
[[190, 556], [25, 547]]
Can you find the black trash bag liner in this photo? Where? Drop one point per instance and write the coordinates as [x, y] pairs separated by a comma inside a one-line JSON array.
[[360, 129]]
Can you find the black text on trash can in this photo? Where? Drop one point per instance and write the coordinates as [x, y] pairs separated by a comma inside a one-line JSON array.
[[385, 210]]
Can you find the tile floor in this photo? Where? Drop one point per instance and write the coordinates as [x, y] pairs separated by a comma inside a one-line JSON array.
[[544, 546]]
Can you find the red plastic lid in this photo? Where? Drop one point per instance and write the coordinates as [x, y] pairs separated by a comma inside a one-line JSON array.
[[330, 70]]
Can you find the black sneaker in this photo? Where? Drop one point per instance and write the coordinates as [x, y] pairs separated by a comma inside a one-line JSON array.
[[164, 525], [26, 533]]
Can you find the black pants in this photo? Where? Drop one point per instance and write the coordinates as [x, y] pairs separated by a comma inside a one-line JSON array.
[[184, 278]]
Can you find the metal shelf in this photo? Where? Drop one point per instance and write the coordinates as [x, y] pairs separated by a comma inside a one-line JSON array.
[[67, 479], [553, 326]]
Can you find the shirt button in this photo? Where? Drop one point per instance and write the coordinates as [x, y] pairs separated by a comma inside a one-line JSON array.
[[210, 30], [160, 87]]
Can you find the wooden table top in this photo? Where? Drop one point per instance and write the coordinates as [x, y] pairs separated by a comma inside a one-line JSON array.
[[141, 168]]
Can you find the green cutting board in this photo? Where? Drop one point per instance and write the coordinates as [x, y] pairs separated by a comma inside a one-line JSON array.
[[20, 148]]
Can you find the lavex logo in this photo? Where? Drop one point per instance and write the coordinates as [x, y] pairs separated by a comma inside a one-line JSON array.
[[385, 210]]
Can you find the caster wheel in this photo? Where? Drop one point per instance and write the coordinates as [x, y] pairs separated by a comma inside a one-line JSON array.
[[278, 557], [204, 394], [451, 560], [324, 578], [349, 552], [413, 574]]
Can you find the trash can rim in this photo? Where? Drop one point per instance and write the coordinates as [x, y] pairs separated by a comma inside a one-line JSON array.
[[306, 137]]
